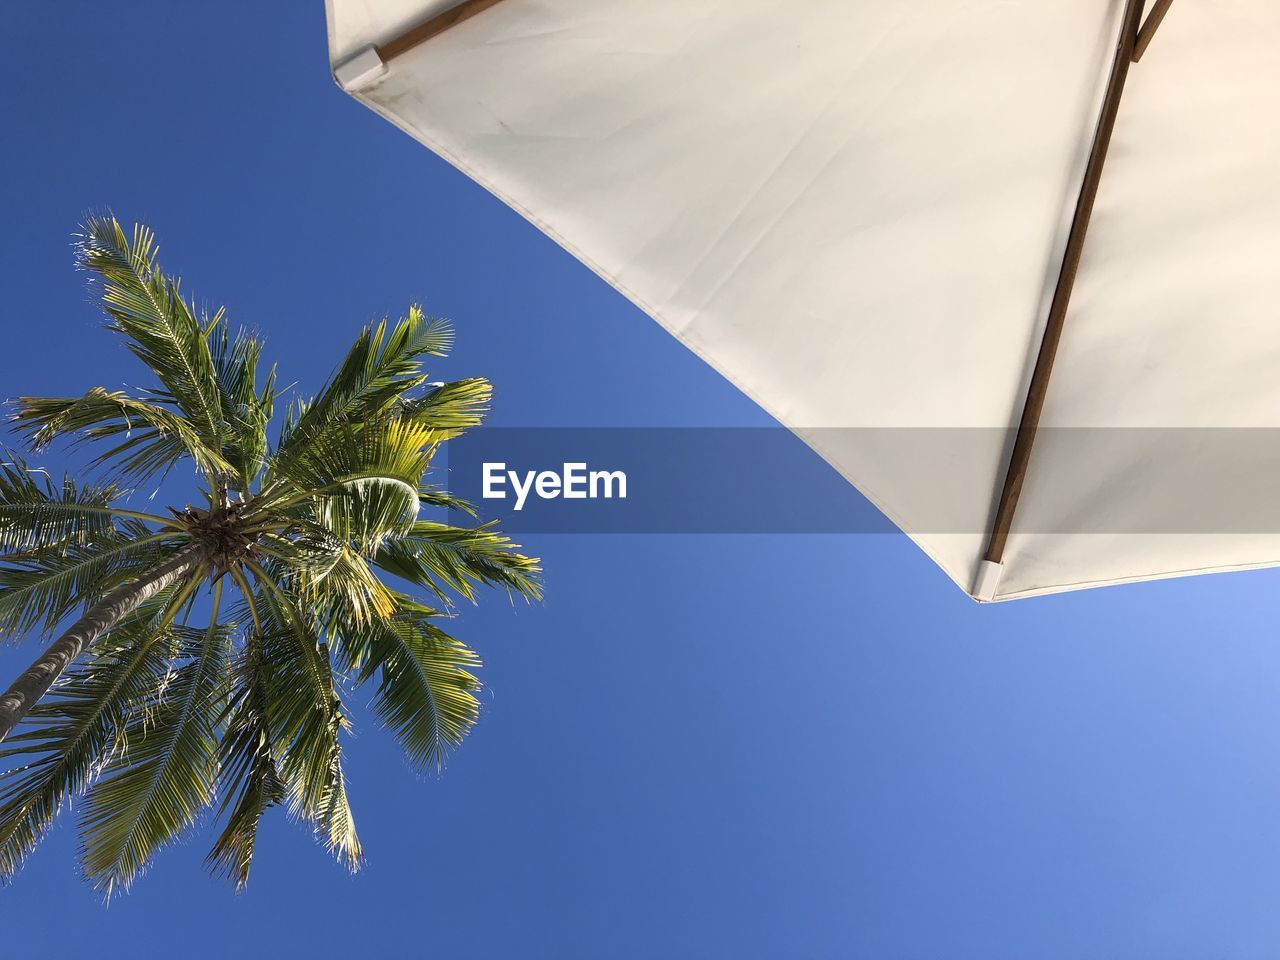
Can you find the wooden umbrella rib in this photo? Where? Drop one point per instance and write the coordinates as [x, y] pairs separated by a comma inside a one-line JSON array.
[[1148, 31], [416, 36], [1020, 457]]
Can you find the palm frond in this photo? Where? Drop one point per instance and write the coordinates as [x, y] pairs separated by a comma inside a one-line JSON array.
[[306, 716], [39, 590], [159, 326], [381, 367], [65, 739], [155, 438], [451, 407], [443, 557], [37, 516], [362, 480], [431, 495], [249, 782], [426, 686], [330, 576], [165, 776], [246, 408]]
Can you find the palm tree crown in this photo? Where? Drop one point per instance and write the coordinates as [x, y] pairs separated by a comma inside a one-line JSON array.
[[160, 715]]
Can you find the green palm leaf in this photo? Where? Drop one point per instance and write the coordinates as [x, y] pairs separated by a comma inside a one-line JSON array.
[[451, 407], [439, 556], [40, 590], [381, 367], [362, 480], [159, 326], [65, 740], [306, 718], [37, 516], [250, 784], [156, 786], [332, 577], [155, 438], [426, 686], [246, 408]]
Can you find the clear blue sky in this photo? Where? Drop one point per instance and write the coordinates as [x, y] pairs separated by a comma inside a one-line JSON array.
[[699, 746]]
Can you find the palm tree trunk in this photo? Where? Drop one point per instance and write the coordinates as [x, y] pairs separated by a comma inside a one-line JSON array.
[[35, 681]]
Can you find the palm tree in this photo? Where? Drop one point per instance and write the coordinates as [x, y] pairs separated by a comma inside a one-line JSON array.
[[161, 712]]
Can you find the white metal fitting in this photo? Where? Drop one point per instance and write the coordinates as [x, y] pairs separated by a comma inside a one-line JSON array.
[[362, 70]]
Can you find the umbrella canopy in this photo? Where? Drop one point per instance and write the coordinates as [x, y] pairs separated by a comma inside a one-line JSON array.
[[1015, 286]]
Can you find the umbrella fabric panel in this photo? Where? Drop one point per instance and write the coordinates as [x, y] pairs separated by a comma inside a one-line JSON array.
[[1174, 335], [856, 212]]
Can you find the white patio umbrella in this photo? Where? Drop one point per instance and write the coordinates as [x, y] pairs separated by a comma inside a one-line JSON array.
[[899, 218]]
